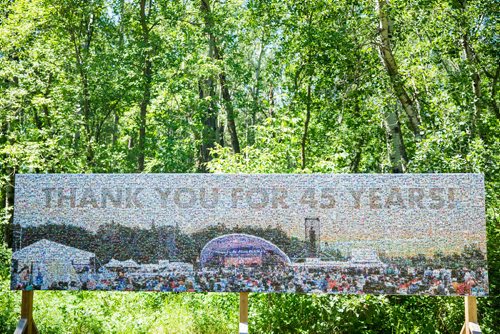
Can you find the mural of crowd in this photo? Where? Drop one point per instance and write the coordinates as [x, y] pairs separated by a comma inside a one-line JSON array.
[[235, 262]]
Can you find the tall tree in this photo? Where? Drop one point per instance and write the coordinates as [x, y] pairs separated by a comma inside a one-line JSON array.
[[391, 66], [395, 144], [216, 53], [80, 24], [228, 104], [145, 9], [207, 92]]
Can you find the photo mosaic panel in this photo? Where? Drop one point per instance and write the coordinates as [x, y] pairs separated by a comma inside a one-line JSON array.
[[318, 233]]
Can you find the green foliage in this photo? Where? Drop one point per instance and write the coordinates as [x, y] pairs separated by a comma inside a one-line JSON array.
[[80, 312], [271, 313], [309, 94]]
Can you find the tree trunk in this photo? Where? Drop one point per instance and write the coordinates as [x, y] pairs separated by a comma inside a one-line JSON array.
[[211, 132], [228, 105], [389, 62], [271, 101], [306, 126], [7, 200], [82, 49], [216, 54], [357, 158], [358, 150], [146, 93], [116, 118], [476, 86], [9, 205], [114, 136], [494, 87], [255, 97], [395, 144], [209, 122]]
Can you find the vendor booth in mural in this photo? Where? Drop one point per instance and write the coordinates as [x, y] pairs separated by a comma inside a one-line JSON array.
[[319, 233]]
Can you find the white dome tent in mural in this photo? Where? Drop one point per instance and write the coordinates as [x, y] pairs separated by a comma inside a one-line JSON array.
[[242, 249]]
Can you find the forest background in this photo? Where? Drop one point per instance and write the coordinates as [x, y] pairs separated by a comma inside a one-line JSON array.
[[249, 86]]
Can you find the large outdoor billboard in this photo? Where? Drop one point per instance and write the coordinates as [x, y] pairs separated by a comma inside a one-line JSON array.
[[315, 233]]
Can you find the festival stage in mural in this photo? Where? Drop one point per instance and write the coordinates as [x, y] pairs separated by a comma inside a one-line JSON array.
[[320, 233]]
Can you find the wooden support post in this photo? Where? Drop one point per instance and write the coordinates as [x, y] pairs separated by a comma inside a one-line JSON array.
[[470, 309], [243, 313], [471, 324], [26, 325]]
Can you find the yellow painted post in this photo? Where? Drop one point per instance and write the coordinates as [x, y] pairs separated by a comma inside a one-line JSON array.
[[243, 313], [470, 314]]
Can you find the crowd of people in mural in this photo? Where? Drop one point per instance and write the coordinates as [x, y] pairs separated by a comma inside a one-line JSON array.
[[388, 280], [240, 262]]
